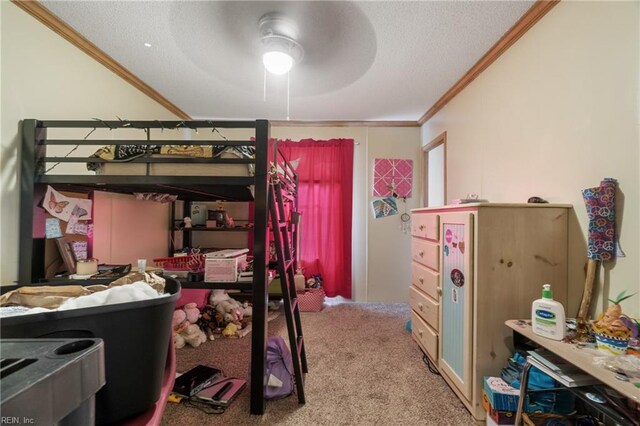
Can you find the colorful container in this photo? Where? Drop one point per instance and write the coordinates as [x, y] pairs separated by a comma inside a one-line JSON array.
[[615, 345], [311, 300]]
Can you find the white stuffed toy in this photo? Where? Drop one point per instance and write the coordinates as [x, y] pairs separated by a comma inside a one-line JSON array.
[[231, 307], [191, 334], [218, 296], [248, 309]]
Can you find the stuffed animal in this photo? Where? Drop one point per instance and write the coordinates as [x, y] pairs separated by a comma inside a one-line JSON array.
[[178, 341], [230, 330], [191, 335], [231, 309], [210, 321], [246, 321], [314, 282], [248, 309], [222, 311], [182, 317], [218, 296], [227, 318]]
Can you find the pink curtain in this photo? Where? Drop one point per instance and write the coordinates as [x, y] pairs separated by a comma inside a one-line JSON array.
[[325, 172]]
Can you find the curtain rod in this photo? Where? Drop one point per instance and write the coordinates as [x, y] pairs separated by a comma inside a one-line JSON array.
[[355, 142]]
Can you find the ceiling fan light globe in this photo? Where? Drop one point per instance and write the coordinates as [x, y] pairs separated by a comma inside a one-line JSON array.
[[277, 63]]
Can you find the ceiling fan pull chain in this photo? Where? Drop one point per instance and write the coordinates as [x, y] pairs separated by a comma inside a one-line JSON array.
[[264, 86], [288, 95]]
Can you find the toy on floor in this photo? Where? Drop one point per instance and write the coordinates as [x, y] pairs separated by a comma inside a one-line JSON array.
[[314, 281], [231, 309], [248, 309], [211, 321], [191, 335], [182, 317], [218, 296], [230, 330], [185, 328], [222, 311]]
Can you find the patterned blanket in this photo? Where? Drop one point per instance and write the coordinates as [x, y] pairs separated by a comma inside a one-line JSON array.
[[122, 153]]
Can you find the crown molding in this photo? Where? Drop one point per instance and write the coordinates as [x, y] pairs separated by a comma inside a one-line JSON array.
[[342, 123], [43, 15], [533, 15], [528, 20]]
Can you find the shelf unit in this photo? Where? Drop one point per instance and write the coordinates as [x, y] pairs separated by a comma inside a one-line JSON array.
[[582, 358]]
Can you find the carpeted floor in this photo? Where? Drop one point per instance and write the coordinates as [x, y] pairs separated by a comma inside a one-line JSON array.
[[364, 369]]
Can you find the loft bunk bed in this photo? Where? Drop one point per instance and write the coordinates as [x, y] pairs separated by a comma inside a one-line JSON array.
[[193, 170]]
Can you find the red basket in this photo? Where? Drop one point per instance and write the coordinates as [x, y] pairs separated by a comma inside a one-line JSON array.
[[193, 262], [311, 299]]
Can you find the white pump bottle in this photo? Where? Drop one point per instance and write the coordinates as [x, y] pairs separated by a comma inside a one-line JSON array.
[[547, 316]]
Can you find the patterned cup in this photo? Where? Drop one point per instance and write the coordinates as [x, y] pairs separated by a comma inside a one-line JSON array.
[[615, 345]]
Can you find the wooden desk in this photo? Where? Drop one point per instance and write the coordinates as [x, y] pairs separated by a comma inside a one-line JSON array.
[[580, 357]]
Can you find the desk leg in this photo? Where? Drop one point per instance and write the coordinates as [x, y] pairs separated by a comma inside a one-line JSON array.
[[523, 391]]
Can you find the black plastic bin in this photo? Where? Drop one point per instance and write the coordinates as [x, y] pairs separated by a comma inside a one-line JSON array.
[[136, 339]]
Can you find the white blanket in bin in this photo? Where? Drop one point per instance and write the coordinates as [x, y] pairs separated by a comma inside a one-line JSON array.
[[120, 294]]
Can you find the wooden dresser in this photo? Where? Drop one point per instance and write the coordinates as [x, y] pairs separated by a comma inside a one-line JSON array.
[[424, 293], [473, 266]]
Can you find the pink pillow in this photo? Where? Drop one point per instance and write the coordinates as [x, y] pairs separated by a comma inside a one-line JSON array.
[[193, 295]]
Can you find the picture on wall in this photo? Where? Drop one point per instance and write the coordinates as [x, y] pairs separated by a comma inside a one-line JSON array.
[[392, 177], [57, 205], [384, 207]]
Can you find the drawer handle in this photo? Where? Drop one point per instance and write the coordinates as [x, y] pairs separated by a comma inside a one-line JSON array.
[[421, 253], [421, 280], [420, 333], [439, 291], [421, 227], [420, 306]]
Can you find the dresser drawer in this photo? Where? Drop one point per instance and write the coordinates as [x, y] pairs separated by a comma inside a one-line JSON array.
[[426, 253], [424, 306], [425, 225], [425, 335], [426, 280]]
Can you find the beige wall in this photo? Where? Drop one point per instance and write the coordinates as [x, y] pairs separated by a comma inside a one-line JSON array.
[[380, 249], [45, 77], [554, 115], [388, 247]]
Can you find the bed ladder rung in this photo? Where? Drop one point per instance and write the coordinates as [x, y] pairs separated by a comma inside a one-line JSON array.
[[286, 271]]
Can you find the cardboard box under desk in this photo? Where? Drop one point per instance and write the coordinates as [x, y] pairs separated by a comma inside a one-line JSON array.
[[498, 417], [500, 395], [221, 269]]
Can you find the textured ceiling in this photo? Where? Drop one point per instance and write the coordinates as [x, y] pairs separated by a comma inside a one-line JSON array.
[[384, 60]]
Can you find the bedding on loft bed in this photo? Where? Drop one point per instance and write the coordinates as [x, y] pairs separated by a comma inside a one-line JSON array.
[[117, 157]]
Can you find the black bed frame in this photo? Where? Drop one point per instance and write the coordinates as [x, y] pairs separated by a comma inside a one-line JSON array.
[[189, 188]]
